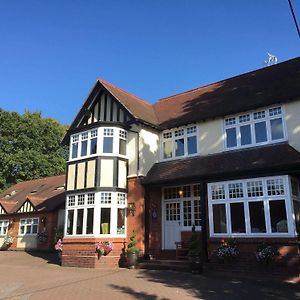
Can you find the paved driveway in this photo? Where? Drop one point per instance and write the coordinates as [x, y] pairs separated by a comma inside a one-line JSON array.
[[24, 276]]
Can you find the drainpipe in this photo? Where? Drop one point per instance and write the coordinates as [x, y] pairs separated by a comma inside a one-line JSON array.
[[203, 210]]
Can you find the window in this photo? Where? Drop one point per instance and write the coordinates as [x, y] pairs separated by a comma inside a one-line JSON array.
[[296, 203], [179, 142], [103, 140], [28, 226], [4, 227], [251, 207], [255, 128], [187, 197], [97, 214]]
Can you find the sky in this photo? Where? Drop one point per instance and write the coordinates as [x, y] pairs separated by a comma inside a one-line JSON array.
[[52, 52]]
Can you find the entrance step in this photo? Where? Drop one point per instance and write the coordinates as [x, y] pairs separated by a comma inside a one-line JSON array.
[[173, 265]]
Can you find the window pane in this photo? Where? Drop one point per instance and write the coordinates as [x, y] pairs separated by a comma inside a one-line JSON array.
[[276, 129], [74, 150], [296, 205], [257, 217], [231, 137], [197, 215], [70, 222], [219, 217], [79, 224], [260, 132], [192, 144], [278, 216], [245, 135], [107, 144], [122, 147], [28, 229], [187, 213], [121, 221], [167, 146], [89, 221], [22, 229], [93, 146], [105, 221], [237, 218], [84, 148], [34, 229], [179, 147]]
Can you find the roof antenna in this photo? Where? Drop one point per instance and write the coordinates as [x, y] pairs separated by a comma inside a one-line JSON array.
[[271, 60]]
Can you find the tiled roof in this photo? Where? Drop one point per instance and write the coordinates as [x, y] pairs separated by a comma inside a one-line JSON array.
[[45, 194], [280, 157], [138, 107], [270, 85]]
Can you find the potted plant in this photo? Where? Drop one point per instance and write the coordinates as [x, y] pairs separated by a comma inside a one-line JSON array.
[[59, 248], [103, 248], [227, 251], [265, 254], [194, 253], [7, 241], [132, 251]]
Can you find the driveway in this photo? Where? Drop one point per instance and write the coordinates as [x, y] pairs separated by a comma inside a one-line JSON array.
[[33, 276]]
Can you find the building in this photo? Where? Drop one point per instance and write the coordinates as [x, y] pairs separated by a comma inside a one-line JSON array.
[[224, 157], [31, 213]]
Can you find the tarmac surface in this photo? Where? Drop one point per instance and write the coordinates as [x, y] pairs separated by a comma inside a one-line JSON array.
[[38, 276]]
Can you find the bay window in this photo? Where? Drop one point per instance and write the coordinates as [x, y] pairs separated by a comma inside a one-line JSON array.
[[97, 214], [256, 128], [99, 141], [251, 207]]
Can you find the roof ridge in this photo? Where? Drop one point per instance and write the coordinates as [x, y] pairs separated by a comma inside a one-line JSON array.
[[225, 79]]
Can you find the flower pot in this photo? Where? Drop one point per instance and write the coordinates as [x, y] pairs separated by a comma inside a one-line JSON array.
[[132, 259]]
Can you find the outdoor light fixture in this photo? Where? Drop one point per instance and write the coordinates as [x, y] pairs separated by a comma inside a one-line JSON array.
[[43, 220], [131, 208], [180, 192], [11, 221]]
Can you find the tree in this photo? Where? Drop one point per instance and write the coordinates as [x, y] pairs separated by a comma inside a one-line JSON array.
[[30, 147]]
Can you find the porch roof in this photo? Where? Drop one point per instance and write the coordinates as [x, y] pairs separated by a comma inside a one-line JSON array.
[[232, 164]]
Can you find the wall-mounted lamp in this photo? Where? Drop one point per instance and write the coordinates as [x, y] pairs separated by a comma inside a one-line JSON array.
[[11, 222], [131, 208], [180, 192]]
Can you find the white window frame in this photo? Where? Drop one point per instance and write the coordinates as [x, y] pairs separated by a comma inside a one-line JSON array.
[[265, 199], [117, 131], [4, 224], [114, 205], [29, 224], [237, 125], [181, 199], [173, 139]]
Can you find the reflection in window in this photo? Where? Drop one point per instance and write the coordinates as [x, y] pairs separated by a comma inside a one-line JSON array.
[[237, 218], [260, 132], [93, 149], [245, 135], [74, 150], [219, 218], [167, 148], [79, 225], [278, 216], [179, 148], [70, 220], [108, 144], [277, 129], [90, 221], [257, 217], [121, 221], [105, 221], [192, 144], [231, 140]]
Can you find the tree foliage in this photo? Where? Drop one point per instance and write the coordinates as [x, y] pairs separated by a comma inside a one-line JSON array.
[[30, 147]]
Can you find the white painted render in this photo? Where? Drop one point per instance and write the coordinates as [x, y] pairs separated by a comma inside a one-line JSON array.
[[292, 117]]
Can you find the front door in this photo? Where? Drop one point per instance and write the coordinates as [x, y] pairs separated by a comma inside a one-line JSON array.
[[172, 224]]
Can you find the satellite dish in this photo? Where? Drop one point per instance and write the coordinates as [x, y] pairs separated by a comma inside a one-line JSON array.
[[271, 60]]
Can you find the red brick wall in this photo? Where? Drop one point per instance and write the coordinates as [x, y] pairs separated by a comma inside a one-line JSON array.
[[50, 225]]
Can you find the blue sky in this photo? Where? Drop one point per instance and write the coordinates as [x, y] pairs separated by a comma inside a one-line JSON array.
[[51, 52]]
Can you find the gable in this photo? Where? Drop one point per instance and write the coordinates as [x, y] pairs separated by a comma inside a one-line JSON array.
[[2, 210], [26, 207], [104, 108]]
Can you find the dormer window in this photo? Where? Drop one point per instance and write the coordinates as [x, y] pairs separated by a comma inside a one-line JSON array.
[[179, 142], [256, 128]]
